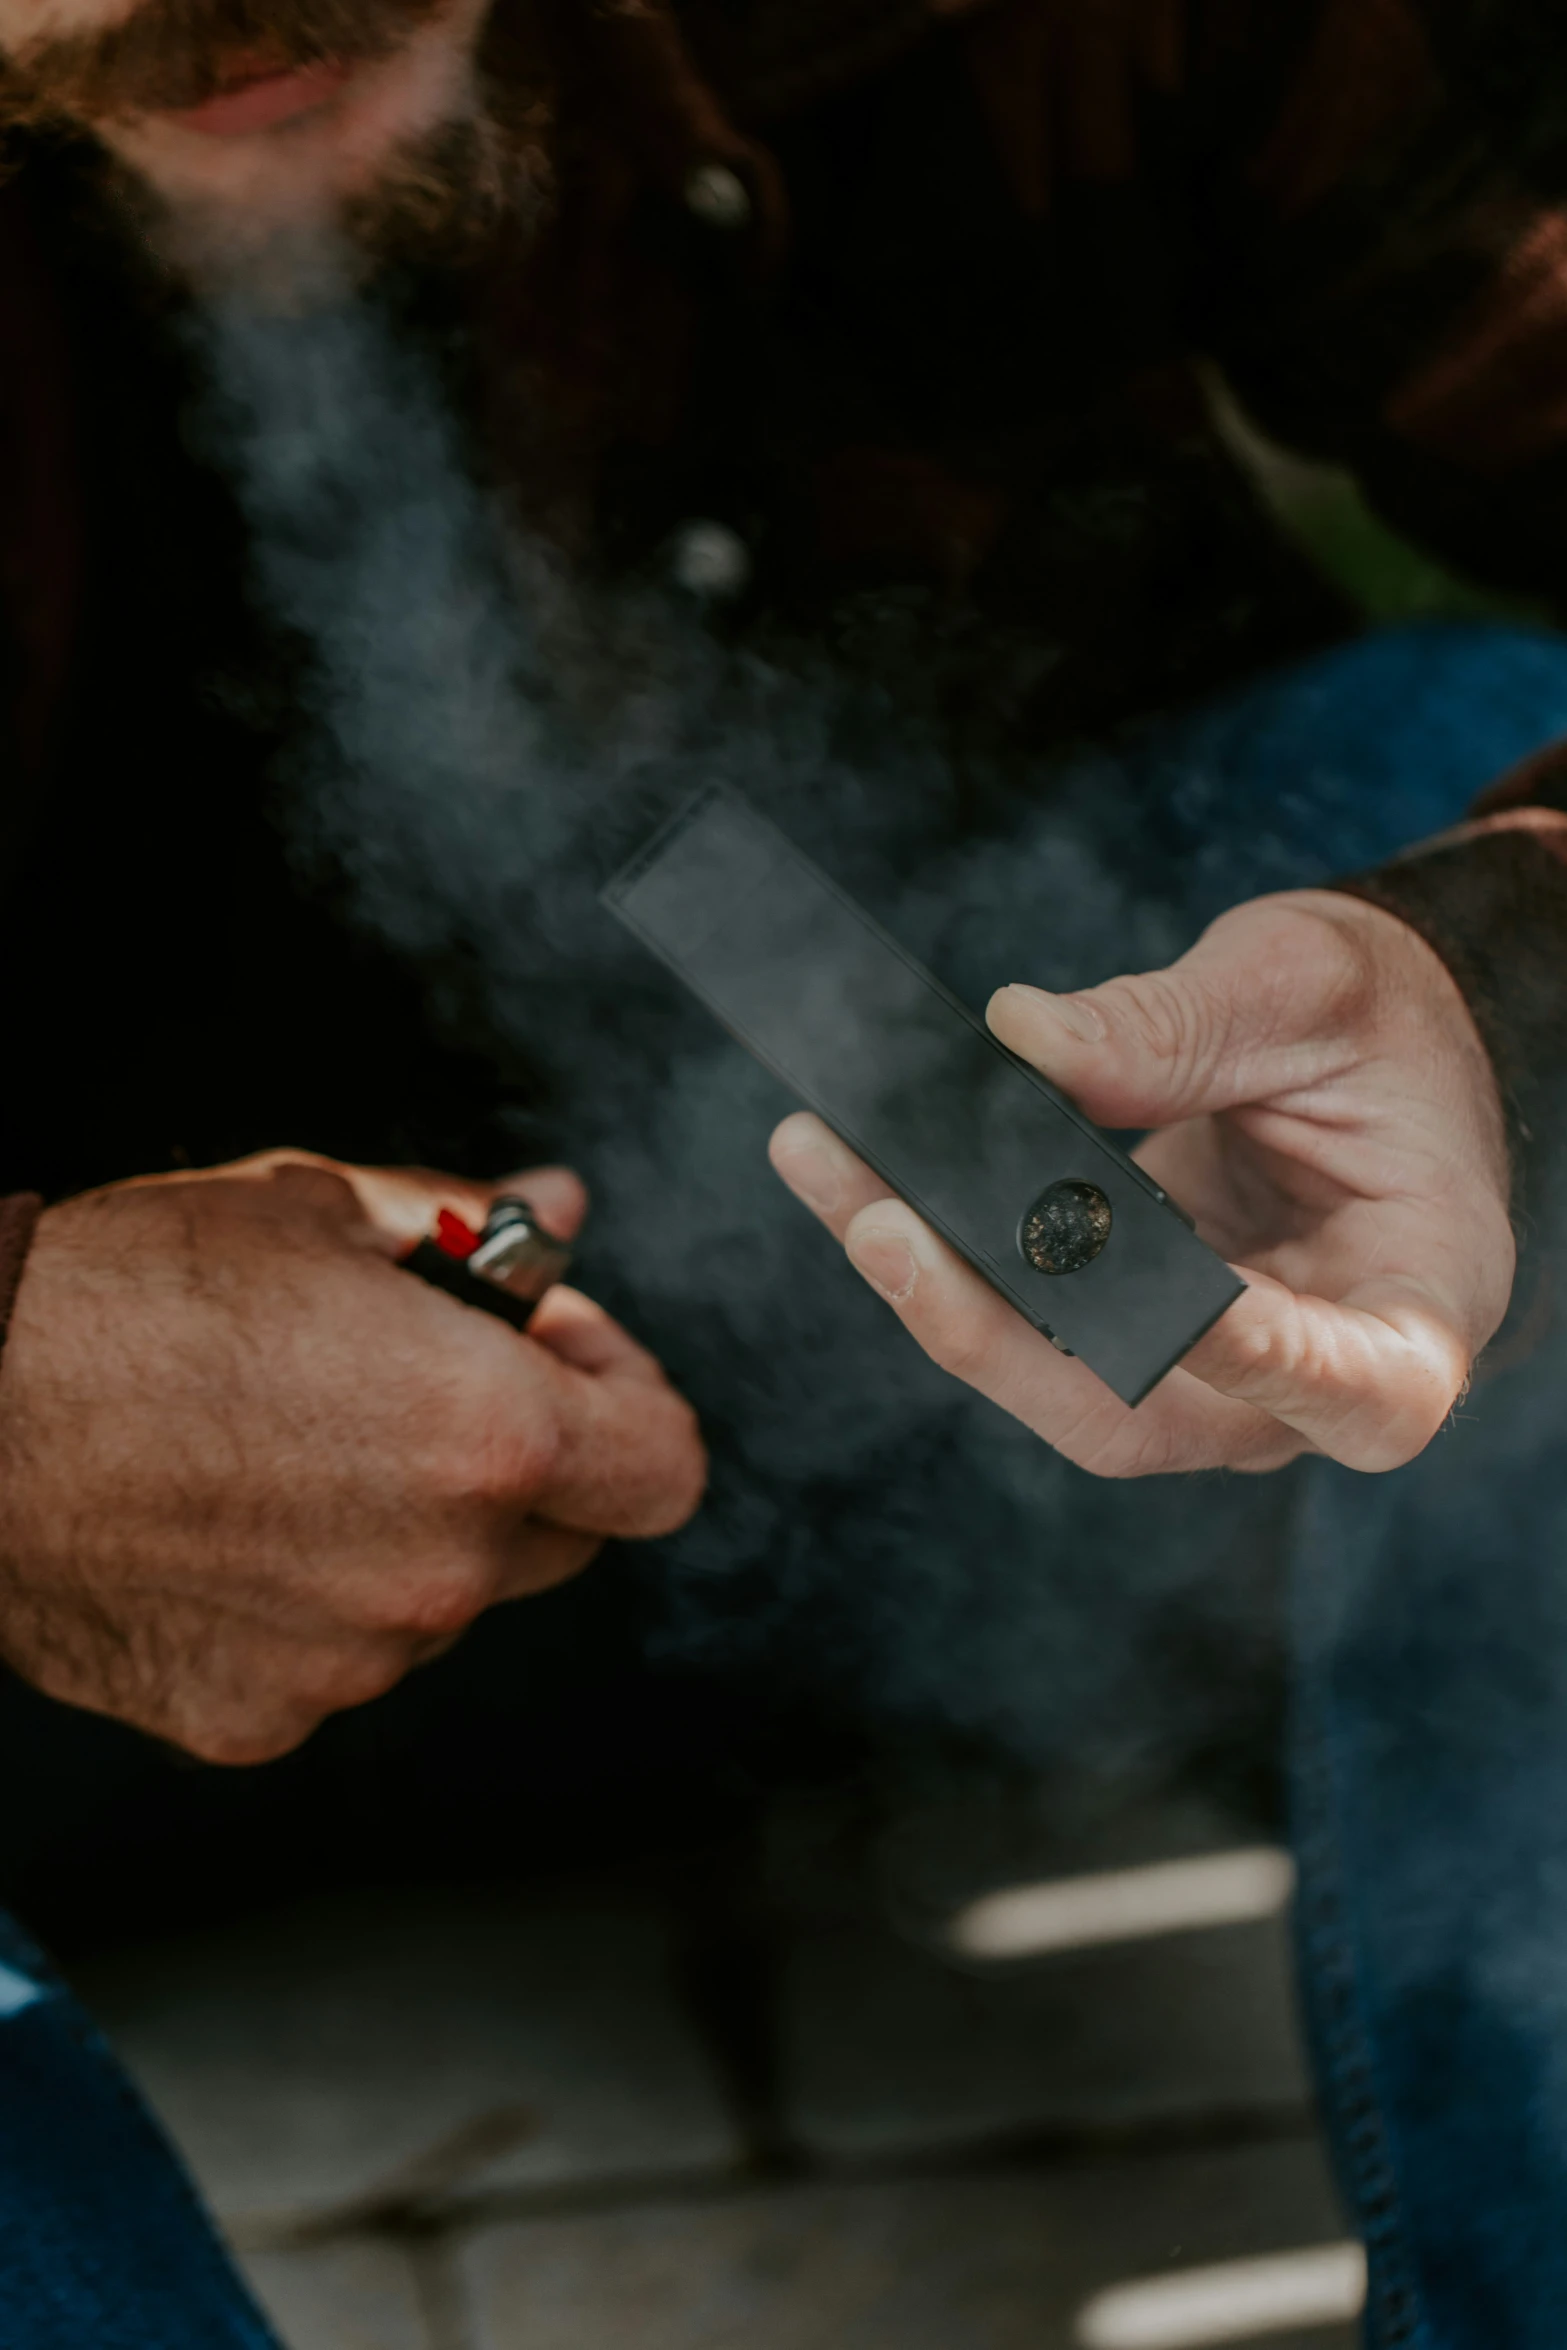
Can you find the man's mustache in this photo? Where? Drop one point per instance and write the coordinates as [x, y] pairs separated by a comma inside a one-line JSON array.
[[172, 54]]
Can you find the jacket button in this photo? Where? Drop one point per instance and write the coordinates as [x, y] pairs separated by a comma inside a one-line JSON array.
[[718, 198], [709, 560]]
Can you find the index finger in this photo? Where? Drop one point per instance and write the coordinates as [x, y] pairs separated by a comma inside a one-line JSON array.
[[1368, 1380], [822, 1171], [970, 1330]]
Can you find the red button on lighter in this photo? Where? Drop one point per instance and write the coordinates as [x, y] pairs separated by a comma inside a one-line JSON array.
[[503, 1270]]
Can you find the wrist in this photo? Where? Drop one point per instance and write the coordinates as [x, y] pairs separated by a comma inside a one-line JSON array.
[[1490, 901]]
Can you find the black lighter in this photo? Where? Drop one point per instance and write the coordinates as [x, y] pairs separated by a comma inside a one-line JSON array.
[[1057, 1218], [503, 1270]]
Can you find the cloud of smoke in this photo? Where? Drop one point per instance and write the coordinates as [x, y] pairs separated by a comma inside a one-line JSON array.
[[485, 743]]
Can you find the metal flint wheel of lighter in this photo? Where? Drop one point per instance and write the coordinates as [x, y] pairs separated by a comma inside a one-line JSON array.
[[503, 1270]]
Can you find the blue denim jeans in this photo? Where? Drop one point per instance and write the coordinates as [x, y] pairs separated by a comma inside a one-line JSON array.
[[1428, 1737], [1429, 1719], [104, 2244]]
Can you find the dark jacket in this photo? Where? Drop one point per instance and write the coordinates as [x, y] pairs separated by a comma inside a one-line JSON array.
[[952, 352]]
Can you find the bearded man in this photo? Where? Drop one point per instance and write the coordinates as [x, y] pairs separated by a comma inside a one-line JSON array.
[[830, 388]]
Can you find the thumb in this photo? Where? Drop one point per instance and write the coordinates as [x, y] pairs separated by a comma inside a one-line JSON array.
[[1259, 1006], [557, 1195]]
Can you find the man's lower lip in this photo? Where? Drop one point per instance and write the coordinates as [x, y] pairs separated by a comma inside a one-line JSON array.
[[263, 104]]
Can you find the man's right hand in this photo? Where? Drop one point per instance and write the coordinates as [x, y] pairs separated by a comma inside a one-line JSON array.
[[250, 1472]]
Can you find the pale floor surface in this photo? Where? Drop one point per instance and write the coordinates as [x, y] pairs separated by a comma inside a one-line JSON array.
[[484, 2122]]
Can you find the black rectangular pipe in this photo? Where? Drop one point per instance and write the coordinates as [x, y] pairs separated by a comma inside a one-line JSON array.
[[1000, 1163]]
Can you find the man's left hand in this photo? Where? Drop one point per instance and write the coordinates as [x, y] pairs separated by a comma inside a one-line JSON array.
[[1326, 1110]]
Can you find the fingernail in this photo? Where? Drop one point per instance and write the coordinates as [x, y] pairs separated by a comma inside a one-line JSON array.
[[887, 1262], [1080, 1018], [818, 1172]]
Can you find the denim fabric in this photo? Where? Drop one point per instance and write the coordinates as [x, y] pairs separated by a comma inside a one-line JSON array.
[[1429, 1608], [1429, 1722], [1339, 763], [1430, 1715], [103, 2243], [1430, 1739], [1429, 1732]]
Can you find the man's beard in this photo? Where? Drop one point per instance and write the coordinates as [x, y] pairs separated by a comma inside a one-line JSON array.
[[444, 194], [445, 198], [466, 191]]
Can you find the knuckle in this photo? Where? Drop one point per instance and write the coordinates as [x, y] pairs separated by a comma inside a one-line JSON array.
[[1275, 1364], [238, 1745], [284, 1156], [1350, 975], [305, 1172], [502, 1450], [441, 1598], [356, 1680], [348, 1675], [958, 1343], [1168, 1021], [446, 1602], [1260, 1350], [1326, 954]]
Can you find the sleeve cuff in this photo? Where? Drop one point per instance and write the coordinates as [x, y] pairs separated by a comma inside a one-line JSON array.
[[1493, 905], [18, 1216]]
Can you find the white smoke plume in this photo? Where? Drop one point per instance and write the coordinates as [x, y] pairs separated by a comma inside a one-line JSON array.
[[483, 746]]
